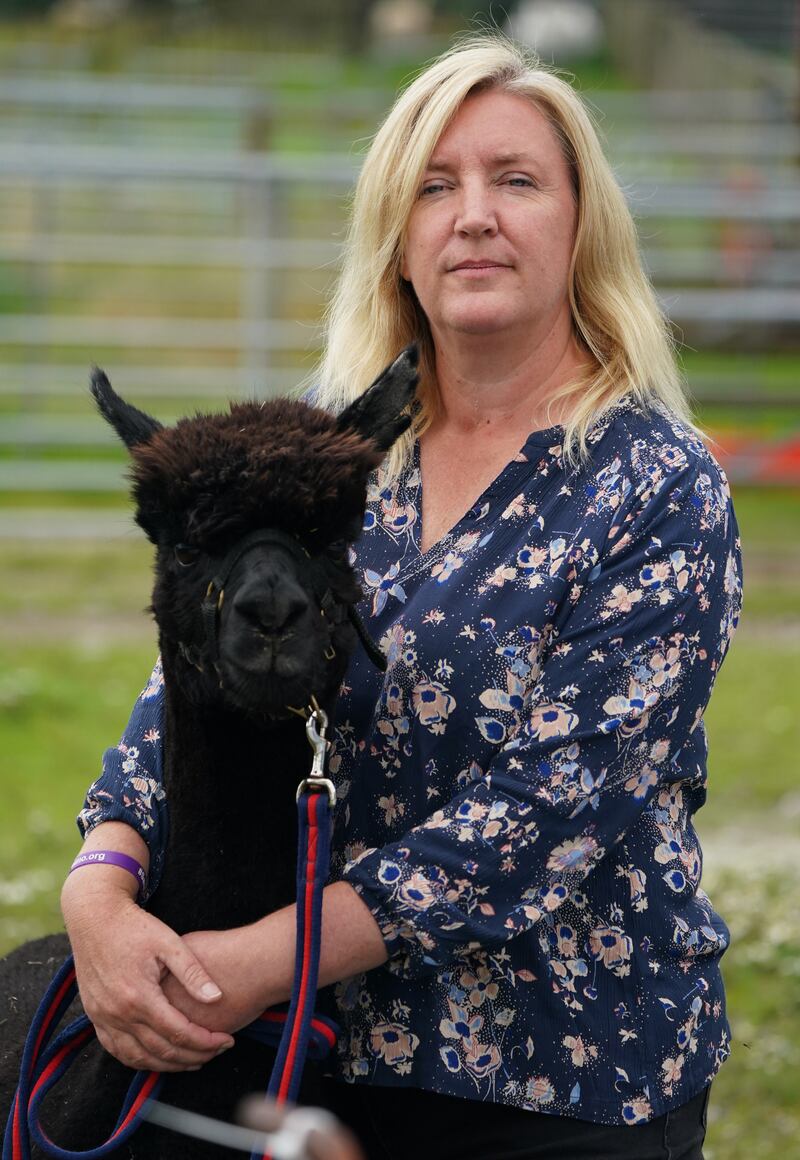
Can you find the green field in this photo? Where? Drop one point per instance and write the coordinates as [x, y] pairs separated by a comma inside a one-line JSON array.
[[75, 648]]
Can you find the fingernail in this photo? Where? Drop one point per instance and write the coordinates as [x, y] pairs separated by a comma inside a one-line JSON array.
[[225, 1047], [210, 991]]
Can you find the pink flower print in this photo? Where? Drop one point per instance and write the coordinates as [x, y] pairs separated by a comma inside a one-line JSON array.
[[621, 600], [552, 720], [481, 1060], [446, 567], [392, 808], [391, 643], [673, 457], [393, 1043], [655, 576], [576, 854], [516, 509], [580, 1051], [416, 892], [671, 800], [610, 946], [394, 700], [384, 587], [433, 704], [680, 568], [479, 985], [500, 576], [636, 1111], [557, 549], [665, 668], [637, 702], [659, 750], [398, 517], [731, 581], [538, 1092], [528, 558], [466, 542], [460, 1025], [510, 700], [670, 847], [155, 684], [672, 1069], [640, 782]]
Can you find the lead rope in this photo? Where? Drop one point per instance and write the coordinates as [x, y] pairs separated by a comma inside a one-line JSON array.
[[44, 1059], [316, 797]]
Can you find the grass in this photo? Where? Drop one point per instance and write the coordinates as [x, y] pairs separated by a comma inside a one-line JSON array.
[[64, 698], [62, 703]]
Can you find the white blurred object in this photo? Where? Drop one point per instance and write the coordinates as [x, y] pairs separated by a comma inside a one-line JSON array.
[[557, 28], [400, 18], [85, 15]]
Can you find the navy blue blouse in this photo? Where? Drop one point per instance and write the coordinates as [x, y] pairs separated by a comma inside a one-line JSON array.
[[516, 795]]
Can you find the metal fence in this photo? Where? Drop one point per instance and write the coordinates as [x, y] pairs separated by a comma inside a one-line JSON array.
[[186, 236]]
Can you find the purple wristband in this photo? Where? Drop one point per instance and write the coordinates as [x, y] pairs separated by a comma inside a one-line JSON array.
[[112, 858]]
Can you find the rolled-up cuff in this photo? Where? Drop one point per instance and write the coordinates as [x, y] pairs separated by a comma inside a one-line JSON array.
[[422, 932], [126, 792]]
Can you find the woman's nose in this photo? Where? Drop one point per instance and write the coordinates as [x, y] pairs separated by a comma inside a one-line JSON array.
[[476, 212]]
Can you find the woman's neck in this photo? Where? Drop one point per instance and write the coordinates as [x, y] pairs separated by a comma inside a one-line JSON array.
[[485, 386]]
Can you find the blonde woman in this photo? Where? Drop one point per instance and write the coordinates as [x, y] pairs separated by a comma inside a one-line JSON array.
[[525, 963]]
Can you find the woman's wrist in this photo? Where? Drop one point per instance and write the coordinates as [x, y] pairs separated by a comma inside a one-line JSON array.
[[351, 943], [100, 881]]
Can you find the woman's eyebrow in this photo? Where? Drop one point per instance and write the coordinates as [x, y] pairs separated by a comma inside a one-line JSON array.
[[442, 165]]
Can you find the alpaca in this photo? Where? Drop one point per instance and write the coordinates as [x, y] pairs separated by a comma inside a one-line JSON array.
[[271, 494]]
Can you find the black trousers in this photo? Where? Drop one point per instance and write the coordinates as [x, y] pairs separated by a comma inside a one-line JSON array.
[[408, 1124]]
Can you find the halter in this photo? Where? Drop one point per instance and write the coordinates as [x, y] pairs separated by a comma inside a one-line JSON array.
[[329, 608]]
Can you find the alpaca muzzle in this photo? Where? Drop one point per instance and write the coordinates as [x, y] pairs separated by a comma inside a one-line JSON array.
[[332, 610]]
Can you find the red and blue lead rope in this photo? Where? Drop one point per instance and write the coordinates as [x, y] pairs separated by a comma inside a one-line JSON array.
[[313, 864], [45, 1059]]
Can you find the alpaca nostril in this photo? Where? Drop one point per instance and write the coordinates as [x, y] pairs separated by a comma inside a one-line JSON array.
[[272, 614]]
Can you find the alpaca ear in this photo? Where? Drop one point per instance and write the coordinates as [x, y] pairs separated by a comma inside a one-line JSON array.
[[379, 414], [132, 426]]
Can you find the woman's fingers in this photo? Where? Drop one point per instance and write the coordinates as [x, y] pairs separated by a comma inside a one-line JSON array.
[[140, 1048], [124, 956], [189, 971]]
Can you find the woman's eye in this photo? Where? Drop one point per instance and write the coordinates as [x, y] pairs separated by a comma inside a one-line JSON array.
[[524, 182], [432, 187], [185, 555]]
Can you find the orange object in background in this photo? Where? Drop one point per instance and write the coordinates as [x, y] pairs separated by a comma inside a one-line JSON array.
[[759, 459]]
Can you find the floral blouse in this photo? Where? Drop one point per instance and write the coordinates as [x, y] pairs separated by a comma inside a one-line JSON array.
[[516, 794]]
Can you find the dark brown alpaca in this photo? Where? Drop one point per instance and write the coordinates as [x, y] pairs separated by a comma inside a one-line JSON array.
[[269, 495]]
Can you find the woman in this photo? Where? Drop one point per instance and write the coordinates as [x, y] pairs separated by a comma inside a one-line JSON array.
[[517, 923]]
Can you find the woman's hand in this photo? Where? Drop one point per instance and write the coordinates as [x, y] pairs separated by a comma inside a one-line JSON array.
[[232, 956], [123, 959]]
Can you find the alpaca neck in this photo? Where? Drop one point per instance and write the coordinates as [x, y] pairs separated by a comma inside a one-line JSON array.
[[230, 785]]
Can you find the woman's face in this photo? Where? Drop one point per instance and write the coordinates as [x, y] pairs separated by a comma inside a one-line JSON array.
[[490, 238]]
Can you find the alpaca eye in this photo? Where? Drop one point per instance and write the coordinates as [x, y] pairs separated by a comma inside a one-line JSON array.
[[185, 555], [337, 548]]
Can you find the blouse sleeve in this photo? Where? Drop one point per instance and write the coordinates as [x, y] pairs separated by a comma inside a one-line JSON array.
[[616, 711], [130, 787]]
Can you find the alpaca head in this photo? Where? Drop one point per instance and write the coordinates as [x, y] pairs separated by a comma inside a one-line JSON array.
[[252, 513]]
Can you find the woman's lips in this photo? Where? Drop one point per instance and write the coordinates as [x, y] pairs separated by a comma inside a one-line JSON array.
[[476, 269]]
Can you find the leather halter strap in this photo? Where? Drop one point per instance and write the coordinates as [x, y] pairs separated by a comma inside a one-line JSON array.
[[328, 606]]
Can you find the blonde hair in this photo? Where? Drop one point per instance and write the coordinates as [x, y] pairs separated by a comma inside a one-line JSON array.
[[374, 313]]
